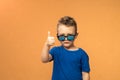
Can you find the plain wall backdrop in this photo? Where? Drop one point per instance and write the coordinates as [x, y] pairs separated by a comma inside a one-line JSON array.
[[23, 30]]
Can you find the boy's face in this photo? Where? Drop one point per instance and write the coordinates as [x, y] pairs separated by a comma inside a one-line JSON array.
[[64, 30]]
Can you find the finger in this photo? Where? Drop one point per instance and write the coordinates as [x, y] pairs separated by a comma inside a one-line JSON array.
[[48, 33], [52, 38]]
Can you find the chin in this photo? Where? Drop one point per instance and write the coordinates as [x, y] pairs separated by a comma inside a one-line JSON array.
[[66, 45]]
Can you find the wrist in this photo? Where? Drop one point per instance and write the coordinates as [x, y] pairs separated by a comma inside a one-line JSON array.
[[46, 44]]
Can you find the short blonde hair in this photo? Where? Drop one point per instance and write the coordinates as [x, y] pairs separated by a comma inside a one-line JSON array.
[[68, 21]]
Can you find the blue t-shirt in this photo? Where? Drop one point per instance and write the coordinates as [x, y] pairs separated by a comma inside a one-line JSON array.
[[69, 65]]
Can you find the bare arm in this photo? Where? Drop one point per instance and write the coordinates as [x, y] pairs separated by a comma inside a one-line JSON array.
[[86, 76], [45, 56]]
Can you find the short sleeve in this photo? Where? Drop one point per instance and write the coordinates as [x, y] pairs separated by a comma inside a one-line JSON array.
[[52, 52], [85, 62]]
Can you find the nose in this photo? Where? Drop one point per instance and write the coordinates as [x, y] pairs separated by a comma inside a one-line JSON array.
[[65, 38]]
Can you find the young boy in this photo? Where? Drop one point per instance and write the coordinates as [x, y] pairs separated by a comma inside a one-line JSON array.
[[70, 62]]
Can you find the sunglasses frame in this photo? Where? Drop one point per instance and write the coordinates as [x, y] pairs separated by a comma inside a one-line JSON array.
[[66, 37]]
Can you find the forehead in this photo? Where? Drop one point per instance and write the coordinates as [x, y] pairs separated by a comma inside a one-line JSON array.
[[63, 29]]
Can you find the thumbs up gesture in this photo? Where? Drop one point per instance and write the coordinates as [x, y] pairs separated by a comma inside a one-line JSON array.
[[50, 39]]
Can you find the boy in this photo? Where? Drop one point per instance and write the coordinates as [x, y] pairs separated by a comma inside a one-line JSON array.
[[70, 62]]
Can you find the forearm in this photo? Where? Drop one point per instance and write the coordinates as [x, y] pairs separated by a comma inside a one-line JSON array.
[[86, 76], [45, 53]]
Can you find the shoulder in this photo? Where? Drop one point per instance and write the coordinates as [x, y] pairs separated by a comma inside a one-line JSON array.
[[83, 52], [55, 48]]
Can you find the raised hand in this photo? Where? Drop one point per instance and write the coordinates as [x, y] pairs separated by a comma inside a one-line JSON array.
[[50, 39]]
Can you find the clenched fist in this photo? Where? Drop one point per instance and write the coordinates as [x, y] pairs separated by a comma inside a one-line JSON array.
[[50, 39]]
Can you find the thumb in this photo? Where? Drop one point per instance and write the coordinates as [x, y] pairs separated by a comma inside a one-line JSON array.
[[48, 33]]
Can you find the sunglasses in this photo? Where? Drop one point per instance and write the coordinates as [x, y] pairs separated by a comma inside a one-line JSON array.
[[70, 37]]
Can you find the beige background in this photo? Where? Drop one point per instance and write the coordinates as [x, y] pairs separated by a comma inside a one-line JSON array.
[[23, 31]]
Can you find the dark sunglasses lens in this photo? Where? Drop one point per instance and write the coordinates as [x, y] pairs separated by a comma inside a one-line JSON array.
[[70, 38], [61, 38]]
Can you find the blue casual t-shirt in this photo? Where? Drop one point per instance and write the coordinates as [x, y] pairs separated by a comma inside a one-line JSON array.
[[69, 65]]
